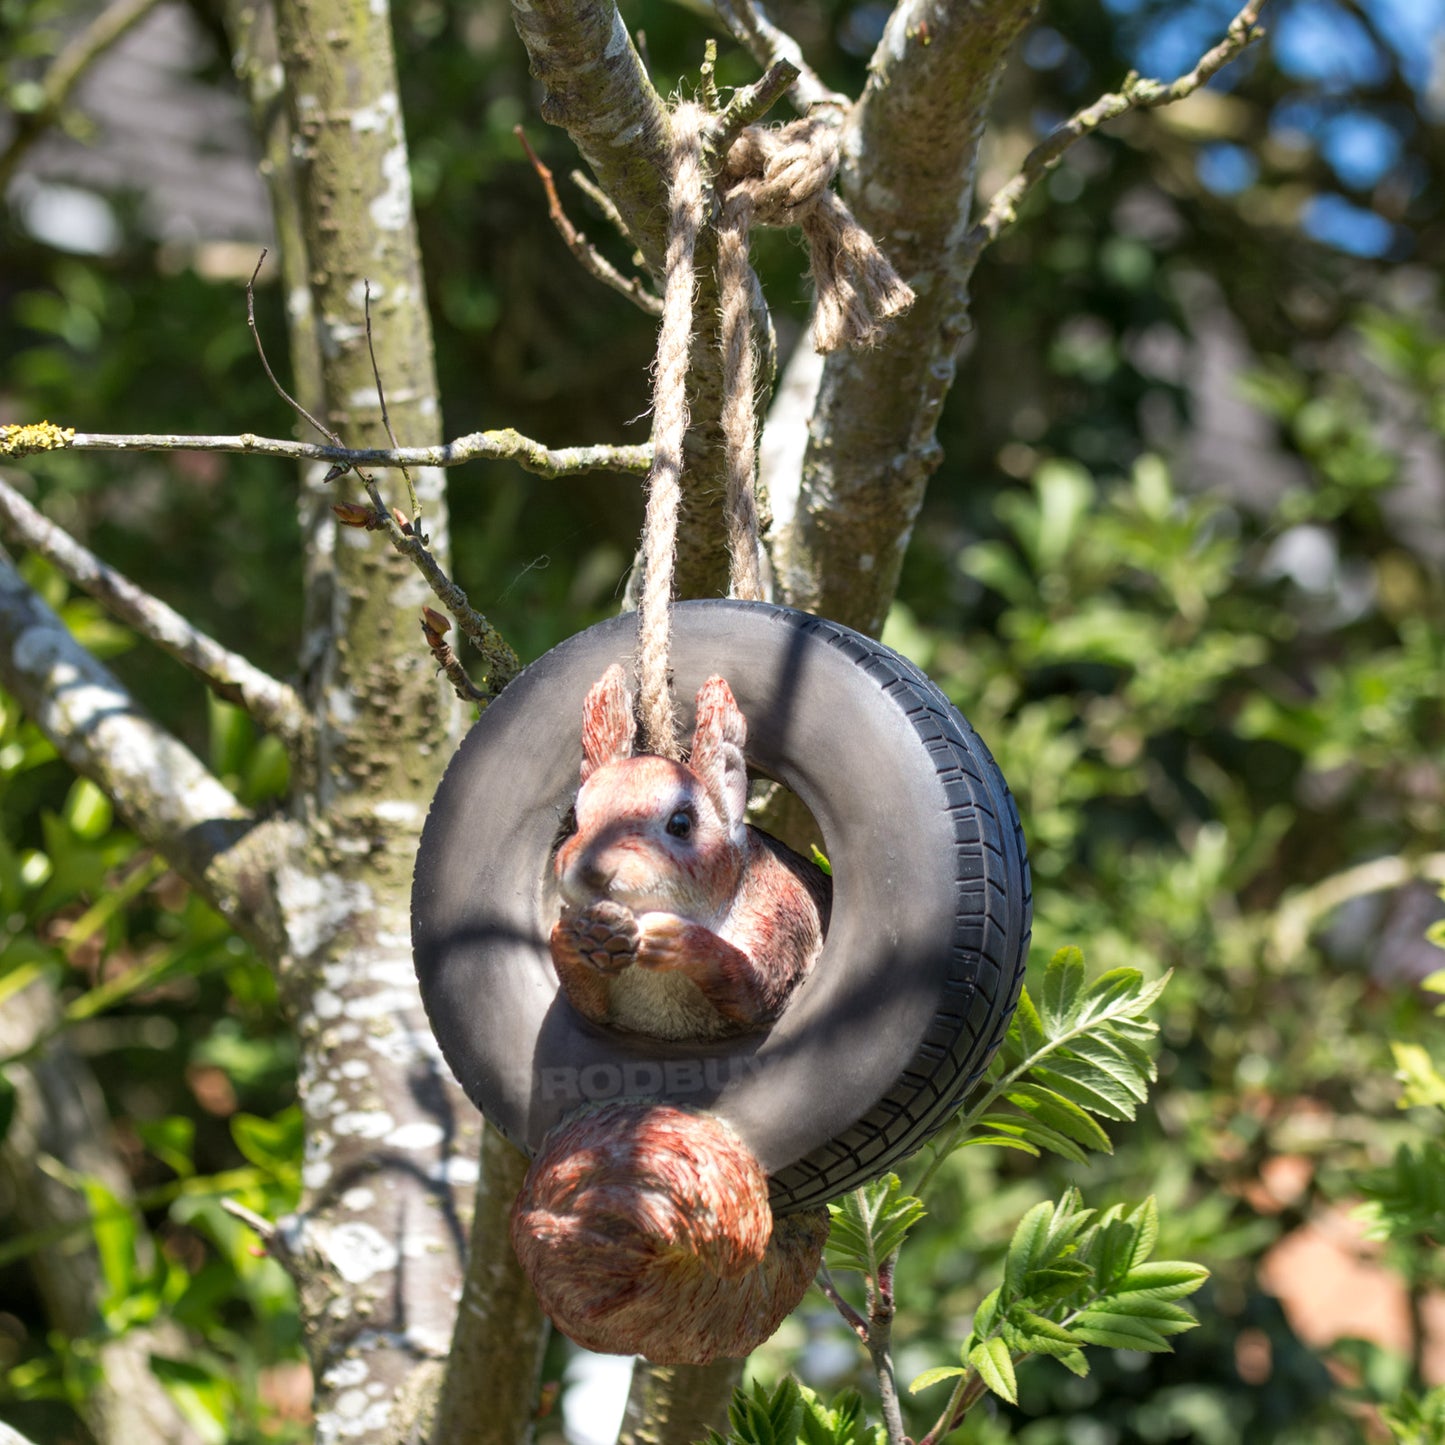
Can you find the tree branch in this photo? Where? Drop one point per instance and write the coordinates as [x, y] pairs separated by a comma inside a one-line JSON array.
[[678, 1404], [231, 677], [505, 445], [160, 788], [501, 1334], [1138, 93], [910, 150], [65, 73]]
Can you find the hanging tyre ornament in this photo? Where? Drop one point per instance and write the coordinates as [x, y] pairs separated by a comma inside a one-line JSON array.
[[925, 945], [695, 1036]]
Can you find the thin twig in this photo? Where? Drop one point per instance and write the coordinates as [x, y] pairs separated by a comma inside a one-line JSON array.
[[258, 1223], [766, 43], [880, 1347], [855, 1322], [503, 445], [385, 415], [65, 72], [608, 207], [434, 627], [266, 365], [588, 257], [501, 662], [1137, 93], [273, 704]]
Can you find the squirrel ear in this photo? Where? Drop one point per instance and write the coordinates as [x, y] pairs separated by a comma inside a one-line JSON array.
[[717, 750], [608, 724]]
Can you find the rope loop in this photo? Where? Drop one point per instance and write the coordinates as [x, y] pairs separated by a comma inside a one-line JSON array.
[[786, 172]]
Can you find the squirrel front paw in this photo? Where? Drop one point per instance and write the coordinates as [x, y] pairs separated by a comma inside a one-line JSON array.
[[604, 934]]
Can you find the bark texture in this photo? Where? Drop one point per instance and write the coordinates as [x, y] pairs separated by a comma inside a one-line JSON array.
[[391, 1143], [490, 1393], [910, 153]]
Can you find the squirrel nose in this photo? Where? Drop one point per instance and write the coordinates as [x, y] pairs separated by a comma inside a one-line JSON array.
[[591, 875], [581, 874]]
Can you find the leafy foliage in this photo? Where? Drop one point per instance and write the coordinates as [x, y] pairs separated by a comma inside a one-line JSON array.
[[869, 1224], [792, 1414], [1076, 1056], [1072, 1278]]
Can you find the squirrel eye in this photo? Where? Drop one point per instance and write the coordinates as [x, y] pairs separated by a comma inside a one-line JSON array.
[[680, 824]]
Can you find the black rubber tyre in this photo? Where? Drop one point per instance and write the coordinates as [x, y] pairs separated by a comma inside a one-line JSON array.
[[925, 949]]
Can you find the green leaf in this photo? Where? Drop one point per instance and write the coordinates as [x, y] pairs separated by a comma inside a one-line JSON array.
[[995, 1366], [1144, 1218], [1041, 1135], [87, 811], [1059, 1113], [1424, 1084], [929, 1378], [1165, 1279], [1008, 1136], [1114, 1060], [871, 1223], [271, 1144], [1027, 1026], [1165, 1316], [1109, 990], [1063, 990], [7, 1105], [1028, 1241], [1115, 1332], [1086, 1087], [1032, 1334], [985, 1317], [1058, 1281], [113, 1228]]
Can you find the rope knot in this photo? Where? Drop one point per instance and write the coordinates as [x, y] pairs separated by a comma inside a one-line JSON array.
[[780, 176]]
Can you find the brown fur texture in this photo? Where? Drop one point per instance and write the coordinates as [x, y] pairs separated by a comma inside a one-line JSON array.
[[645, 1229], [678, 920]]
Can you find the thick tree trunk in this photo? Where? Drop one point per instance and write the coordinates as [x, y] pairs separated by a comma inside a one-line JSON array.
[[380, 1239]]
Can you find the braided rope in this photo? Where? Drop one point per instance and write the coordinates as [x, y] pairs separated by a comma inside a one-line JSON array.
[[669, 427], [776, 176]]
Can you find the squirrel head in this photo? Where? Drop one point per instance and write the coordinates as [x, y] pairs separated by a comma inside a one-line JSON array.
[[652, 833]]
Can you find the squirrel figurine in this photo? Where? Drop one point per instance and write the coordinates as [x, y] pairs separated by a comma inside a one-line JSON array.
[[678, 919], [645, 1228]]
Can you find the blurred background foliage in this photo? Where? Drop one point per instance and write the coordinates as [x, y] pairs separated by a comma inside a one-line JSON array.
[[1181, 567]]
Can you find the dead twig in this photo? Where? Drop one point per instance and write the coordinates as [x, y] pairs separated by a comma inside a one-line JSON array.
[[1137, 93], [502, 664], [280, 390], [587, 255], [385, 415]]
